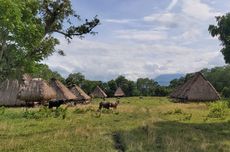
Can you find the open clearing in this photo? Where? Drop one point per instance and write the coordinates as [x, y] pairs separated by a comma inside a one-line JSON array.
[[147, 124]]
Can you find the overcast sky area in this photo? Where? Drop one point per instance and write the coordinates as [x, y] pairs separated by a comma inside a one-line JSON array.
[[143, 38]]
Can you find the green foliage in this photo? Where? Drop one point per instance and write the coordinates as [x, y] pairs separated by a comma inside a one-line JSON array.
[[226, 92], [179, 113], [143, 86], [217, 110], [43, 71], [75, 78], [44, 112], [219, 77], [162, 91], [27, 32], [221, 30], [2, 110], [112, 87], [146, 86]]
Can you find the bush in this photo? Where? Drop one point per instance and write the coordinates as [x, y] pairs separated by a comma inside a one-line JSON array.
[[162, 91], [226, 92], [60, 112], [28, 114], [2, 110], [178, 111], [181, 115], [217, 110], [44, 112]]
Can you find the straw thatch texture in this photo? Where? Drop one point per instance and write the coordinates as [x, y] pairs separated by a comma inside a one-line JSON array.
[[79, 93], [36, 91], [8, 93], [119, 93], [98, 93], [196, 88], [63, 93]]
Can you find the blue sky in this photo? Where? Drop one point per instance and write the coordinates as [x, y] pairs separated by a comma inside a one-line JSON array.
[[143, 38]]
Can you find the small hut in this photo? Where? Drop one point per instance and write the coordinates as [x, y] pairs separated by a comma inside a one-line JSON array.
[[80, 94], [196, 88], [98, 93], [8, 93], [119, 93], [36, 90], [63, 93]]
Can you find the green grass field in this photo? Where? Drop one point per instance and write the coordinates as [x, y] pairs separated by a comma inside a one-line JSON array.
[[148, 124]]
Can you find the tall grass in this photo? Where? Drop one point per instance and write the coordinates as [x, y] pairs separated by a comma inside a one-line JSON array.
[[147, 124]]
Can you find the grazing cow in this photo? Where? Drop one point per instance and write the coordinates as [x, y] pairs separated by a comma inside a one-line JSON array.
[[55, 103], [107, 105], [114, 104]]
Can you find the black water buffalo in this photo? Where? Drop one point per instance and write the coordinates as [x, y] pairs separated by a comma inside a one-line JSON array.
[[56, 103]]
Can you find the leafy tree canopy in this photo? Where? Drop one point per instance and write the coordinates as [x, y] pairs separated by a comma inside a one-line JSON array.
[[222, 31], [27, 32]]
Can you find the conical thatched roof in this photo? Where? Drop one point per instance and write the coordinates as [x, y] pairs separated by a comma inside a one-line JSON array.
[[8, 93], [119, 93], [79, 93], [98, 93], [36, 90], [61, 90], [196, 88]]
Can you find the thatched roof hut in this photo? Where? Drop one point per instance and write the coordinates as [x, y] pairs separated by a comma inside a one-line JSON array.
[[196, 88], [119, 93], [37, 90], [8, 93], [98, 93], [61, 90], [79, 93]]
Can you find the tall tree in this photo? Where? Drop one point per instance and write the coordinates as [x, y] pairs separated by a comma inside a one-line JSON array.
[[43, 71], [146, 86], [75, 78], [27, 32], [222, 31]]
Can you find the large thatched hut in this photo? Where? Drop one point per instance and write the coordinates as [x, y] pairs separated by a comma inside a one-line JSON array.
[[197, 88], [80, 94], [36, 90], [119, 92], [61, 90], [8, 93], [98, 93]]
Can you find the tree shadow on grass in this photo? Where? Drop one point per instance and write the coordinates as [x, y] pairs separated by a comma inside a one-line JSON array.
[[175, 137]]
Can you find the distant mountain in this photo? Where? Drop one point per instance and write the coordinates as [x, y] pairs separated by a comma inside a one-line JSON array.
[[164, 79]]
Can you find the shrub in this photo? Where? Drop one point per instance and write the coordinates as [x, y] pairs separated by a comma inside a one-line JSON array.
[[44, 112], [217, 110], [228, 103], [178, 111], [28, 114], [2, 110], [181, 115], [60, 112], [226, 92]]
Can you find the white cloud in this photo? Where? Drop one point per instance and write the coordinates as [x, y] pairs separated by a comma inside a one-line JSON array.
[[160, 43], [104, 61], [147, 35], [119, 21], [198, 10], [161, 17], [172, 5]]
